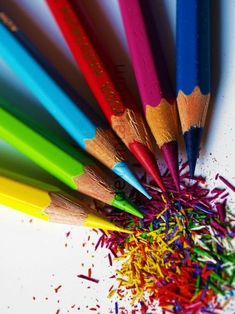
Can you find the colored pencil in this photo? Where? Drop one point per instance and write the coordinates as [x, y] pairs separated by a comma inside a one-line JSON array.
[[193, 72], [158, 101], [63, 104], [80, 174], [114, 98], [52, 206], [58, 141]]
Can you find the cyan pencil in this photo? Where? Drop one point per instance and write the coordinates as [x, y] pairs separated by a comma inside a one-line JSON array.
[[62, 102]]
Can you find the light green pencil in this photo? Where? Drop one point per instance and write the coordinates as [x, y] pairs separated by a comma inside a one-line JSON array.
[[80, 174]]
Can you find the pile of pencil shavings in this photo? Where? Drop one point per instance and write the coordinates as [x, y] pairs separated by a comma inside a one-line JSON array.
[[181, 253]]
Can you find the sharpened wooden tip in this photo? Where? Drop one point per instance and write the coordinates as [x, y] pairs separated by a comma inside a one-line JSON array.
[[170, 154], [148, 161]]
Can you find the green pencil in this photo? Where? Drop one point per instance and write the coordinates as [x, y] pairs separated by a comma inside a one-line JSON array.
[[80, 174]]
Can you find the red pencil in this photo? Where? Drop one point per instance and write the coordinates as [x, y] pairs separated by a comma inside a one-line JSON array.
[[118, 106]]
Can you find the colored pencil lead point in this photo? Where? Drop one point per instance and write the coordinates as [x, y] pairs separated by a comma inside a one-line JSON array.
[[118, 229], [147, 160], [122, 170], [192, 139], [121, 202], [97, 221], [170, 154]]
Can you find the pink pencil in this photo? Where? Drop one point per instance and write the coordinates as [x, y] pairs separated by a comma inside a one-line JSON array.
[[158, 100]]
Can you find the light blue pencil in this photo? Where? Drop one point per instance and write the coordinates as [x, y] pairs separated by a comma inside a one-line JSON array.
[[97, 140]]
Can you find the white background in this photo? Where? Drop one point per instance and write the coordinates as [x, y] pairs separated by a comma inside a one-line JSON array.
[[37, 257]]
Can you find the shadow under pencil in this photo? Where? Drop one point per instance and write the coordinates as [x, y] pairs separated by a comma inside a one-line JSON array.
[[49, 47], [99, 26], [159, 19], [216, 69]]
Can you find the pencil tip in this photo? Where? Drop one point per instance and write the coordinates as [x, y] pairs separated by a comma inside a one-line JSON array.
[[119, 229], [121, 201], [192, 139], [148, 161], [95, 220], [170, 154], [122, 170]]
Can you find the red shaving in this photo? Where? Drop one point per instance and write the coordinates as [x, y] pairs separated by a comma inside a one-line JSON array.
[[228, 184], [57, 289], [113, 252], [110, 288], [144, 308], [89, 272], [220, 207], [110, 260], [88, 278], [98, 243]]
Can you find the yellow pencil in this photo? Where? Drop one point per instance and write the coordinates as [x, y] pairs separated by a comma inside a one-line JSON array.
[[51, 206]]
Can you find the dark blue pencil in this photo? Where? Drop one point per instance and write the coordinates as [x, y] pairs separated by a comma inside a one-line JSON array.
[[193, 72]]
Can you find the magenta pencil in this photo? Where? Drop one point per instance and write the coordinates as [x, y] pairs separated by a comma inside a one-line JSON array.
[[158, 100]]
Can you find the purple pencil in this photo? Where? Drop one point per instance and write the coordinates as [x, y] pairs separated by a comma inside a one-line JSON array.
[[158, 100]]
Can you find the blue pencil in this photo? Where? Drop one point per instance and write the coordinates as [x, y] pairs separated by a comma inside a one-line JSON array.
[[62, 101], [193, 72]]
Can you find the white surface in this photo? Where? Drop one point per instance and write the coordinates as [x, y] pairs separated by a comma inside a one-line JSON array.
[[33, 256]]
